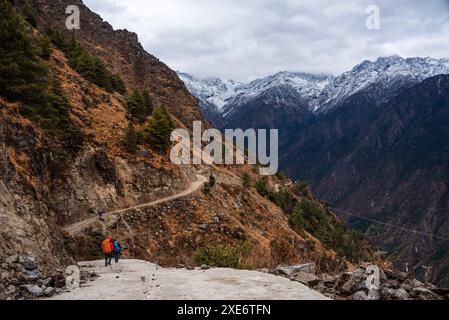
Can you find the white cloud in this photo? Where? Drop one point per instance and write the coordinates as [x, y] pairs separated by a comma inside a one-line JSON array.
[[246, 39]]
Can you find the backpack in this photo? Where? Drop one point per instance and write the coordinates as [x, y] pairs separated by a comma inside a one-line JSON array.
[[117, 246], [106, 246]]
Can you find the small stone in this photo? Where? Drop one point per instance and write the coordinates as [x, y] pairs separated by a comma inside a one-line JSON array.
[[11, 289], [203, 226], [47, 281], [204, 267], [28, 263], [12, 259], [49, 291], [373, 295], [34, 290], [32, 275]]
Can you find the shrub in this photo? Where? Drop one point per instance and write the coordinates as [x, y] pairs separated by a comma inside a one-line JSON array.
[[223, 256], [262, 187], [246, 180]]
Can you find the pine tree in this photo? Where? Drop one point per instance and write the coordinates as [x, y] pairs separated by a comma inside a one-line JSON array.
[[133, 139], [45, 47], [87, 65], [28, 15], [102, 75], [147, 102], [140, 105], [118, 84], [24, 76], [246, 180], [159, 129]]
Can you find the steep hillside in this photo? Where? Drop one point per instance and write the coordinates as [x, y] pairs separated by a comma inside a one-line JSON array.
[[71, 144], [389, 165]]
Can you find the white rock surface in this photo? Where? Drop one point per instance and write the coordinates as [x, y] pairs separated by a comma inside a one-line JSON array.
[[133, 280]]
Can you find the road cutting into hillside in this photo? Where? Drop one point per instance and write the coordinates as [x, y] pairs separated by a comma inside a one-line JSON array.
[[75, 228], [142, 280]]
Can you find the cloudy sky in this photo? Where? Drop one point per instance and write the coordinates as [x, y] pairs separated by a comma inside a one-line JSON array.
[[241, 40]]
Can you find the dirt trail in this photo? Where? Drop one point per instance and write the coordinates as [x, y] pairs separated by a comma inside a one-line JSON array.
[[75, 228], [142, 280]]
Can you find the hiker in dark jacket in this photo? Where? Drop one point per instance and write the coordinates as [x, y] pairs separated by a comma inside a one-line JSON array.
[[117, 249]]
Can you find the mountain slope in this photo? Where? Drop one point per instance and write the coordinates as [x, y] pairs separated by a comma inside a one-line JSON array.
[[324, 140], [54, 176], [392, 166]]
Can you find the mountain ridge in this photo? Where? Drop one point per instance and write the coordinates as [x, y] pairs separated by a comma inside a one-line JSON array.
[[324, 92]]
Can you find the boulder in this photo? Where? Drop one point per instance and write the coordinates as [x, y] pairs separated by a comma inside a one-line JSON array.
[[308, 279], [395, 294], [34, 290], [28, 263], [395, 274], [425, 294], [291, 270], [350, 282], [359, 295], [374, 295]]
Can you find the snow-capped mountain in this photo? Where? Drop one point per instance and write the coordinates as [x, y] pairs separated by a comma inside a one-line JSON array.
[[226, 95], [211, 91], [381, 80], [306, 87]]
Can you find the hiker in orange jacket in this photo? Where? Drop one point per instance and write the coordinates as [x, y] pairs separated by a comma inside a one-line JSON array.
[[108, 247]]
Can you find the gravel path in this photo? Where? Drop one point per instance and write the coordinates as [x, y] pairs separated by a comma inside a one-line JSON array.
[[75, 228]]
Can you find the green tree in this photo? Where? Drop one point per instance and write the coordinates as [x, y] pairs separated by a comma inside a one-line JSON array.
[[87, 65], [140, 105], [45, 47], [246, 180], [28, 15], [133, 139], [160, 129], [118, 84], [262, 187], [24, 76]]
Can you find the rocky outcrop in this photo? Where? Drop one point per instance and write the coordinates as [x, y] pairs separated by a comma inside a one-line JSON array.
[[20, 278], [357, 285]]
